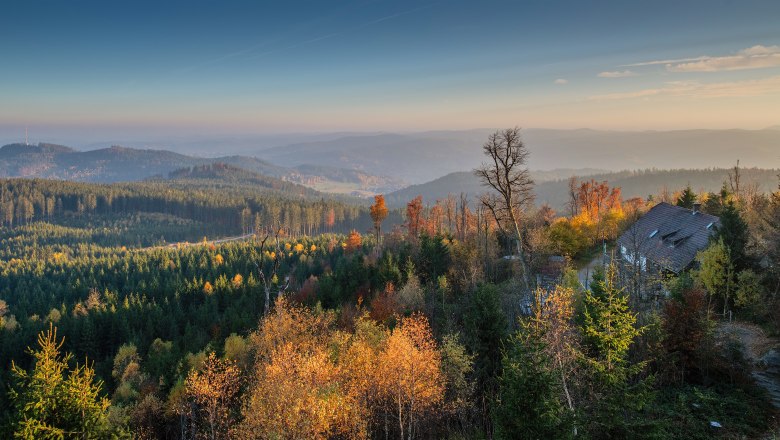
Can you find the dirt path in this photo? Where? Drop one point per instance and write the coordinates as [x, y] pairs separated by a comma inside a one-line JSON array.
[[586, 272], [762, 351]]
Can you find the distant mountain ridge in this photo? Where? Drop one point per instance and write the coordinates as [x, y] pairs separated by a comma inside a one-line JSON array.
[[640, 183], [116, 164], [421, 157]]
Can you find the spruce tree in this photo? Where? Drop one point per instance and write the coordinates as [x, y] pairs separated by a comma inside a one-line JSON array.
[[529, 404], [54, 401], [486, 330], [615, 392], [733, 231], [687, 198]]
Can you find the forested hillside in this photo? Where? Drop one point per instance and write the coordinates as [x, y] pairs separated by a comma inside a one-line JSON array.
[[198, 202]]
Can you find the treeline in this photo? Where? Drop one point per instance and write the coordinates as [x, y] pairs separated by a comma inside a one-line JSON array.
[[227, 208]]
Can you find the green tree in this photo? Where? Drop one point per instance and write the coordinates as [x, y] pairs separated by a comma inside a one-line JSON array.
[[486, 330], [609, 329], [733, 231], [687, 198], [529, 405], [716, 272], [749, 294], [54, 401]]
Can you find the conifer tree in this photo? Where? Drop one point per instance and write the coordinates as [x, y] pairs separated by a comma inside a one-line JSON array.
[[608, 331], [54, 401], [687, 198]]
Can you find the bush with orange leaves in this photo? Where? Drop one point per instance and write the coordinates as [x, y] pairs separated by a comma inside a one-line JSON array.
[[314, 381]]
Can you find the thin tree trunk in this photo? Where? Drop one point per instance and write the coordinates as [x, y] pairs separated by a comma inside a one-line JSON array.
[[400, 418], [521, 253]]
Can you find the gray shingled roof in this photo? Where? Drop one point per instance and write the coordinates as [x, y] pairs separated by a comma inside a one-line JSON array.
[[681, 233]]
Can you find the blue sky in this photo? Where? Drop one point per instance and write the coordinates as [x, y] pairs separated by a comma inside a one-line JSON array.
[[260, 67]]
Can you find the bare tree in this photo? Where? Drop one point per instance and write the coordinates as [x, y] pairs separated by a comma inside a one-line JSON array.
[[272, 278], [462, 223], [506, 172], [574, 197], [734, 180]]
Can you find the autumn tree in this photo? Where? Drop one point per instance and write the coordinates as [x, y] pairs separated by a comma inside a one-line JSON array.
[[414, 217], [378, 213], [214, 394], [507, 174], [354, 241], [410, 373], [296, 391]]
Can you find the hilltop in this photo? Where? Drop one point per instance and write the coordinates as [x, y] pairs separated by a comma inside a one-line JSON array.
[[120, 164]]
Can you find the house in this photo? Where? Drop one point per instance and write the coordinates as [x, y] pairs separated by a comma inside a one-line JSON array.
[[667, 237]]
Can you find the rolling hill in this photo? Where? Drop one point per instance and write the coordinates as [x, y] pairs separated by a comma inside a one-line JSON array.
[[117, 164]]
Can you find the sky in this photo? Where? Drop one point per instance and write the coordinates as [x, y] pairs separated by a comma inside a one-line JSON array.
[[214, 67]]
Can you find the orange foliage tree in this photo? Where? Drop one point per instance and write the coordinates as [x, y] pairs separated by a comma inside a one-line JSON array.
[[330, 218], [414, 217], [597, 214], [354, 241], [385, 304], [378, 213]]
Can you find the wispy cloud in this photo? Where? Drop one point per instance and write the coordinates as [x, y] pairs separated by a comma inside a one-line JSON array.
[[561, 81], [696, 89], [617, 74], [756, 57]]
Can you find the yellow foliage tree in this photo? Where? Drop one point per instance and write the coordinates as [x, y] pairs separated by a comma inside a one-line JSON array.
[[409, 373], [213, 393], [313, 381]]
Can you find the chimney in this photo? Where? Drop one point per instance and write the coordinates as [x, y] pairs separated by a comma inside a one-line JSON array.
[[696, 207]]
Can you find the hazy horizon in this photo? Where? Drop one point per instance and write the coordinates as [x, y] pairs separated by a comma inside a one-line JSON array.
[[104, 72]]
